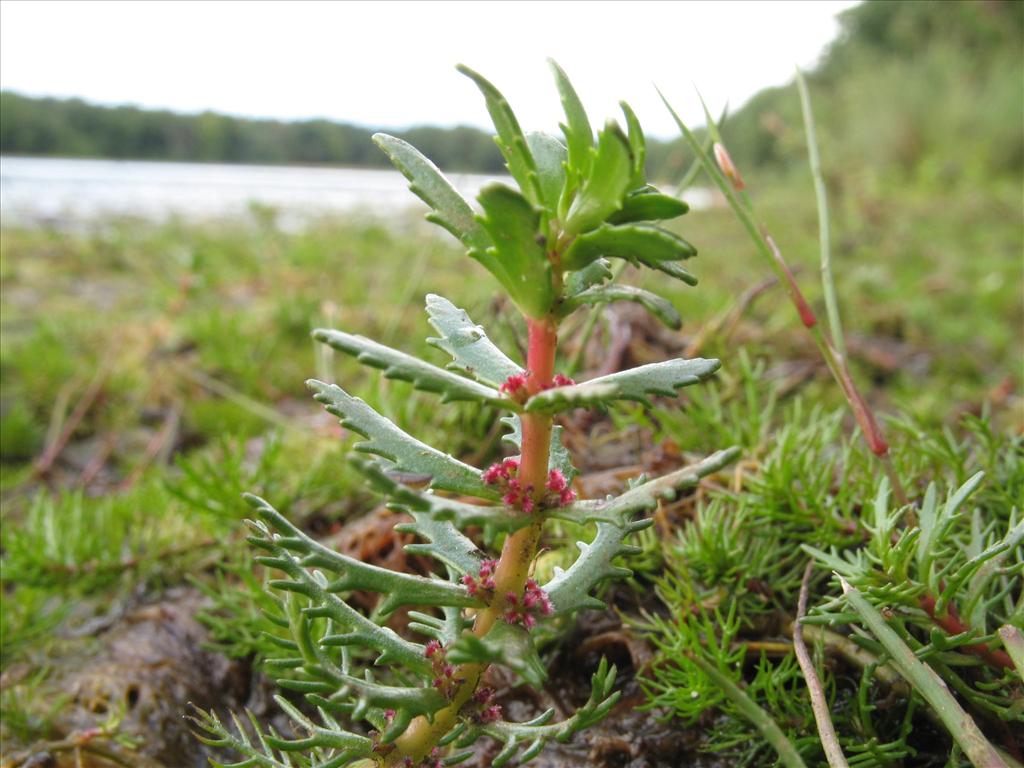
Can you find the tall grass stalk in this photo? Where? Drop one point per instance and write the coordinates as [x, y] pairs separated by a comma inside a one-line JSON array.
[[824, 229]]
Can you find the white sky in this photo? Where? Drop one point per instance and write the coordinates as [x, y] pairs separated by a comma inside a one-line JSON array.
[[391, 64]]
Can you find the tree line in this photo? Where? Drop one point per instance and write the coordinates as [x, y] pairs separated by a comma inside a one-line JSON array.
[[927, 91]]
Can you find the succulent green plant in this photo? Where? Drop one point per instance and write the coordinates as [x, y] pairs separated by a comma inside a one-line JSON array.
[[384, 699]]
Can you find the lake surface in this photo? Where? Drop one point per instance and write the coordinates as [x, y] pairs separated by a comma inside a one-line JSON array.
[[66, 191]]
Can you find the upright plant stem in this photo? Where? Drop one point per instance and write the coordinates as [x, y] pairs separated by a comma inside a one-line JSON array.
[[517, 554], [824, 229], [764, 244]]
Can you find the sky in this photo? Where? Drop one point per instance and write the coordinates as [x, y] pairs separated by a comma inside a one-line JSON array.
[[391, 64]]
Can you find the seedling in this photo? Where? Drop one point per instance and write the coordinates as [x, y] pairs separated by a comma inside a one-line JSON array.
[[384, 699]]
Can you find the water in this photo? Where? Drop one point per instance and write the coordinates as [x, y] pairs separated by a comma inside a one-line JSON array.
[[56, 191]]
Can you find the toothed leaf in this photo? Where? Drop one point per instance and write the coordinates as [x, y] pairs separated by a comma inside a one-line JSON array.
[[399, 365], [510, 137], [637, 243], [604, 188], [579, 136], [449, 209], [639, 384], [648, 205], [518, 258], [505, 644], [658, 306], [360, 630], [570, 590], [595, 273], [398, 589], [637, 144], [549, 155], [472, 352], [405, 452]]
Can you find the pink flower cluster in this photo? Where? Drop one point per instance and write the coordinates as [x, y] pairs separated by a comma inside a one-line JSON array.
[[483, 581], [535, 600], [514, 386], [558, 484], [489, 711], [505, 474], [444, 673], [559, 381]]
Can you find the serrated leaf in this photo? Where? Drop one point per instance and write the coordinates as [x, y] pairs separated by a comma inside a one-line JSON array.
[[404, 367], [673, 269], [449, 209], [472, 352], [579, 136], [558, 454], [451, 516], [510, 137], [506, 644], [361, 631], [658, 306], [405, 452], [643, 243], [550, 156], [604, 188], [648, 206], [397, 589], [595, 273], [570, 590], [663, 378], [519, 260], [637, 144], [536, 733]]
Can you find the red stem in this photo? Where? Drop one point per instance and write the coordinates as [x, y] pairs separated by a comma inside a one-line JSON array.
[[952, 624]]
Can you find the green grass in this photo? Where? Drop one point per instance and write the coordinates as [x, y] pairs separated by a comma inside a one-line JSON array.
[[202, 331]]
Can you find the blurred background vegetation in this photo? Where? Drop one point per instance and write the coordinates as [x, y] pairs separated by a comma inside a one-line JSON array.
[[152, 371], [948, 80]]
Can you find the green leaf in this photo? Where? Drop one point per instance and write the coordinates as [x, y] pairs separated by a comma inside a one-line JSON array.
[[272, 752], [595, 273], [660, 307], [360, 630], [570, 590], [510, 137], [404, 451], [648, 205], [558, 454], [639, 383], [398, 589], [472, 352], [644, 243], [450, 209], [520, 261], [637, 144], [604, 188], [505, 644], [399, 365], [451, 547], [549, 154], [579, 136], [524, 741], [673, 269]]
